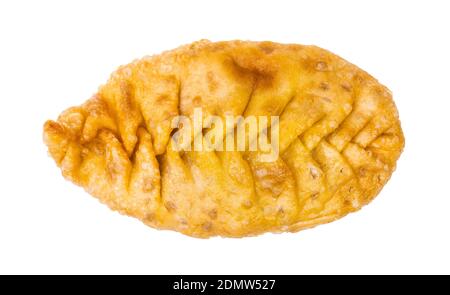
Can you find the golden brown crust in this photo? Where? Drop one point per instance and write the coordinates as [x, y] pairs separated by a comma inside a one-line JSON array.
[[340, 138]]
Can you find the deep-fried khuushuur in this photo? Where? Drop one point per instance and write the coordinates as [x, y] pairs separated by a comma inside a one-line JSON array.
[[339, 139]]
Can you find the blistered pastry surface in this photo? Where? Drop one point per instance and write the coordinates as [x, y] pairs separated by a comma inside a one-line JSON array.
[[340, 138]]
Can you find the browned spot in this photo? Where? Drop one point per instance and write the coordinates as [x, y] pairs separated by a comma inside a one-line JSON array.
[[256, 69], [207, 226], [314, 172], [148, 185], [197, 101], [271, 177], [275, 172], [149, 216], [113, 170], [341, 170], [213, 214], [267, 47], [256, 63], [378, 90], [281, 211], [327, 99], [321, 66], [264, 80], [172, 79], [239, 71], [324, 86], [347, 87], [358, 78], [362, 172], [161, 98], [276, 191], [212, 82], [247, 203], [314, 196], [170, 206], [379, 178]]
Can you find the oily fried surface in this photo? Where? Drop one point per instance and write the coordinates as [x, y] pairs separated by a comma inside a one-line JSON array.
[[340, 138]]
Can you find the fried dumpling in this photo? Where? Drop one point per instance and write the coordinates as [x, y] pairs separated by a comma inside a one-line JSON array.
[[338, 139]]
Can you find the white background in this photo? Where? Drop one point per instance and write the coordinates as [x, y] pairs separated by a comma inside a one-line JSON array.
[[54, 54]]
